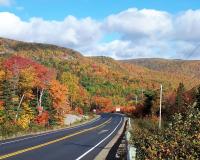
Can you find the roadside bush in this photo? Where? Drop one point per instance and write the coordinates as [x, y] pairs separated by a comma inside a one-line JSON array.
[[180, 140], [8, 129]]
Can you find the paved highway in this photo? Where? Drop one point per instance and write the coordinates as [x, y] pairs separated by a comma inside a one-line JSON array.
[[82, 142]]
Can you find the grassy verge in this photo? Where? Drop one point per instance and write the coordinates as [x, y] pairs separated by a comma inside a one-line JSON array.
[[14, 131]]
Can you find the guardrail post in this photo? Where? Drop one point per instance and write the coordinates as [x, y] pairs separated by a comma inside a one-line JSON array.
[[131, 150]]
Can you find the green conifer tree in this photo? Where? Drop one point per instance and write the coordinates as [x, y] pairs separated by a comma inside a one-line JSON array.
[[9, 98], [180, 96], [198, 98]]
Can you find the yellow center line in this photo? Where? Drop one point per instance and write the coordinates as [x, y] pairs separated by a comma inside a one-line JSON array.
[[53, 141]]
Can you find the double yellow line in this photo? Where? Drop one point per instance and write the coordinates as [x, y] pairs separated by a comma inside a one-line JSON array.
[[53, 141]]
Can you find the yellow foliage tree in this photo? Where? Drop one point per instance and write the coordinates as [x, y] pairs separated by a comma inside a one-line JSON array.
[[71, 82], [23, 121], [27, 80]]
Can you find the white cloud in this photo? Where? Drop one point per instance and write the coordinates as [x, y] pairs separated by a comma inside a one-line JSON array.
[[141, 33], [152, 33], [126, 49], [5, 2], [187, 50], [70, 32], [187, 25], [134, 23]]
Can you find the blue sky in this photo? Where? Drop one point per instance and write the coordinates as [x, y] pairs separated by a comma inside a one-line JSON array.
[[98, 9], [121, 29]]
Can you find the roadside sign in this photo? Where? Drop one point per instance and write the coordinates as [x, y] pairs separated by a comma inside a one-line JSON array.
[[117, 109]]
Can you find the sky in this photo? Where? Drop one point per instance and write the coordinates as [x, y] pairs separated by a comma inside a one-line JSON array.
[[121, 29]]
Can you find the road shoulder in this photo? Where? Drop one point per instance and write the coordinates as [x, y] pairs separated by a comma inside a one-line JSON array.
[[104, 152]]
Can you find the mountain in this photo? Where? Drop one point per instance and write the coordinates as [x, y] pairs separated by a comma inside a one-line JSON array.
[[177, 66], [103, 75]]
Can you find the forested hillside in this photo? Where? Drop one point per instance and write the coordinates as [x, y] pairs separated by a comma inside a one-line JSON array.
[[40, 83], [183, 67]]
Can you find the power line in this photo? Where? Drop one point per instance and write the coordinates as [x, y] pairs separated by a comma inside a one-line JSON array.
[[193, 51]]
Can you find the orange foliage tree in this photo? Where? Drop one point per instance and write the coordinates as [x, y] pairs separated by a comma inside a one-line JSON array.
[[1, 112], [102, 103], [128, 109], [59, 96]]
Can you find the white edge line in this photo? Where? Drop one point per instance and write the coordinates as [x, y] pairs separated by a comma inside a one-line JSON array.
[[43, 134], [99, 142]]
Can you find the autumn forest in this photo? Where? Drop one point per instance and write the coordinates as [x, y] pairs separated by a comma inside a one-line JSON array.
[[40, 83]]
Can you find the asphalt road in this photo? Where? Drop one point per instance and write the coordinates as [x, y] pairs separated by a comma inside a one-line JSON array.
[[82, 142]]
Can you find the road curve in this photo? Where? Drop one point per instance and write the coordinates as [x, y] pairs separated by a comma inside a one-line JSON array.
[[78, 143]]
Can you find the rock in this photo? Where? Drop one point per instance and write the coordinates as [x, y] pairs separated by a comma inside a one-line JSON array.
[[70, 119]]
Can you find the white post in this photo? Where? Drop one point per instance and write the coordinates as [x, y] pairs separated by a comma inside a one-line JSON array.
[[136, 99], [160, 112]]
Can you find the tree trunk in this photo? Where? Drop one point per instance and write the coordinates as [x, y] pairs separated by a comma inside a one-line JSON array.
[[16, 116], [40, 99]]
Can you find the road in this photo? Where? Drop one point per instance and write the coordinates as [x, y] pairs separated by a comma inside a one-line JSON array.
[[82, 142]]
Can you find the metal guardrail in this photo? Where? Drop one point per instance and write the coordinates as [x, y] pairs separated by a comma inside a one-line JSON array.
[[131, 150]]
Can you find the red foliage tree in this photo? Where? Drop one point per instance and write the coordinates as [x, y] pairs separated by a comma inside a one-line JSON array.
[[16, 64], [79, 110], [43, 118]]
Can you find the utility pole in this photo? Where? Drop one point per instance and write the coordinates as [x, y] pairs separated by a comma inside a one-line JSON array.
[[160, 111], [136, 99]]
